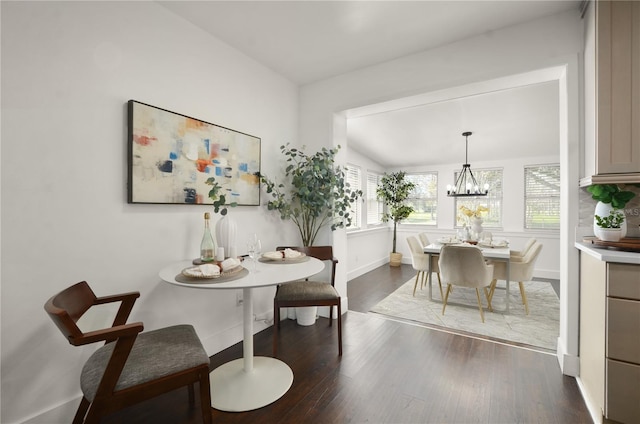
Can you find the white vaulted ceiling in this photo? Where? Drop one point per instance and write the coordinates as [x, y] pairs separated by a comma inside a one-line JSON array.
[[307, 41]]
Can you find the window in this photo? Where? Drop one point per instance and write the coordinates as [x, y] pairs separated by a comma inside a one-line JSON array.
[[492, 201], [542, 197], [375, 208], [353, 179], [423, 198]]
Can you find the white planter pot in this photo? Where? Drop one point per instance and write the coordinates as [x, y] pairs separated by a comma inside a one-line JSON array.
[[307, 315], [395, 259], [610, 234], [602, 210]]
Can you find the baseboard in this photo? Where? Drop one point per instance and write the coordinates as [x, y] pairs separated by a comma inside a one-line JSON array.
[[569, 364], [547, 274], [594, 410]]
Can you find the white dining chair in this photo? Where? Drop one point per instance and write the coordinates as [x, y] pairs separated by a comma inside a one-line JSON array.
[[465, 266], [519, 254], [424, 240], [420, 263], [520, 270]]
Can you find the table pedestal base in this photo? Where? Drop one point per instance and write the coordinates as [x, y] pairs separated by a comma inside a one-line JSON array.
[[234, 390]]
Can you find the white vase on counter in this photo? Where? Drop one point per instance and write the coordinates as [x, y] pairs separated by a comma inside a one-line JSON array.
[[602, 210]]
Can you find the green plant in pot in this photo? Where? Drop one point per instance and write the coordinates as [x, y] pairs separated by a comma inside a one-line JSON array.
[[610, 225], [315, 195], [393, 191], [610, 198]]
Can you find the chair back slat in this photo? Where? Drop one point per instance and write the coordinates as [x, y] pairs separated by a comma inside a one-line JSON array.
[[66, 308]]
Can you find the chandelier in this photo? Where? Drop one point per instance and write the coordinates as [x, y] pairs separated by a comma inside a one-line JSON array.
[[466, 184]]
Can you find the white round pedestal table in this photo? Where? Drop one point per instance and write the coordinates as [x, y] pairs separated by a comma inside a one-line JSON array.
[[249, 382]]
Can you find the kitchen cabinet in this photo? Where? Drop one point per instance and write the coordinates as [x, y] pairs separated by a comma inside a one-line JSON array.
[[610, 338], [616, 41]]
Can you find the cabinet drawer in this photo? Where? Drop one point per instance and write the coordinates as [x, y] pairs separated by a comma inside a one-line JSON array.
[[623, 330], [623, 392], [624, 281]]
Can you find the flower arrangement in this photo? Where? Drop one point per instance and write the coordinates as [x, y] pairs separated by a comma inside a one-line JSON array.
[[473, 213], [468, 214]]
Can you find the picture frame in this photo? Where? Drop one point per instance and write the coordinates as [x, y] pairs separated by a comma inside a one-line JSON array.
[[171, 156]]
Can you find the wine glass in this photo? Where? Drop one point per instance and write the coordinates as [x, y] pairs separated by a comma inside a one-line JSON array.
[[253, 248]]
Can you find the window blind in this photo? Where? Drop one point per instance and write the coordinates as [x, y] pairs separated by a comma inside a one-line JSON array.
[[353, 179], [492, 201], [423, 198], [542, 197], [374, 207]]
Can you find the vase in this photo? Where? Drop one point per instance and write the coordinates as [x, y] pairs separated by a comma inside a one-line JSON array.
[[226, 230], [602, 210], [476, 227], [610, 234]]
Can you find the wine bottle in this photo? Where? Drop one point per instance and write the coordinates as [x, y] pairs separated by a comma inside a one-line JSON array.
[[208, 245]]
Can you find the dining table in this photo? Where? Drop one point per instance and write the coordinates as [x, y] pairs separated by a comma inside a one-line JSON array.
[[490, 251], [250, 382]]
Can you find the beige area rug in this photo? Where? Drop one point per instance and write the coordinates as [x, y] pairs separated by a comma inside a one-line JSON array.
[[538, 329]]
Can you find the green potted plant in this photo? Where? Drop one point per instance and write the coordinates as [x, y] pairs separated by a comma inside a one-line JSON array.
[[393, 191], [610, 225], [610, 197], [316, 193]]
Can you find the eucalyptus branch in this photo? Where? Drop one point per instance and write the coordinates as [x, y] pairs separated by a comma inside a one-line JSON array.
[[316, 194]]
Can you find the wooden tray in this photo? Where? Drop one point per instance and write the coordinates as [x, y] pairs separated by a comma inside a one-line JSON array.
[[627, 244]]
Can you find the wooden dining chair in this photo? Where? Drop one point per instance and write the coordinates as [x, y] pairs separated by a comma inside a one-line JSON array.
[[132, 366], [309, 293], [465, 266]]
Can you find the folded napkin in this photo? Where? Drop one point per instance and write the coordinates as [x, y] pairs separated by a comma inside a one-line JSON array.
[[283, 254], [229, 263], [209, 270], [291, 254], [273, 255]]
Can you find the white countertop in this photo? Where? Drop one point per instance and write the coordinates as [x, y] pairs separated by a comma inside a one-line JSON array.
[[609, 255]]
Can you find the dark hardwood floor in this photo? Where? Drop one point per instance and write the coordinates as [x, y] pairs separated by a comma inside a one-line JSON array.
[[391, 372]]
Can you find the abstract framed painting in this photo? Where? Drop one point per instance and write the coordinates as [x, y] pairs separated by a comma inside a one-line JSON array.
[[171, 156]]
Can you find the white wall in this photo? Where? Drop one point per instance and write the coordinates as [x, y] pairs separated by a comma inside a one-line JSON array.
[[550, 42], [367, 249], [68, 69]]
